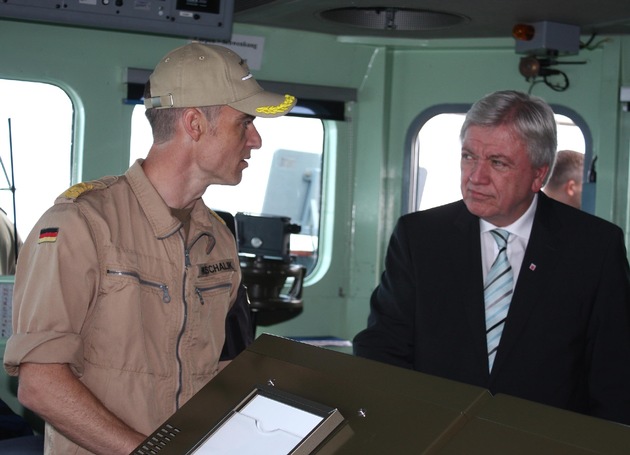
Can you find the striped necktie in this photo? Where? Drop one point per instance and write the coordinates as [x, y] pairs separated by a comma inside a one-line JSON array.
[[497, 294]]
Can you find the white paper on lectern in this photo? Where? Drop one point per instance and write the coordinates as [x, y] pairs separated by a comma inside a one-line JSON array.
[[273, 414], [262, 427]]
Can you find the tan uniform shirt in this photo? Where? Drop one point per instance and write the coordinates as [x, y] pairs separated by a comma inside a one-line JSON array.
[[7, 245], [106, 284]]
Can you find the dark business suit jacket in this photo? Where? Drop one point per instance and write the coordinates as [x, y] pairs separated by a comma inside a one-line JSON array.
[[566, 341]]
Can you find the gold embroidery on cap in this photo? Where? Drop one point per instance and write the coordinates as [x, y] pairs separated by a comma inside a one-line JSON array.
[[285, 106]]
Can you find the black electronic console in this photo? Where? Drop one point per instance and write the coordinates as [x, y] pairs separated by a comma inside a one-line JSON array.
[[195, 19]]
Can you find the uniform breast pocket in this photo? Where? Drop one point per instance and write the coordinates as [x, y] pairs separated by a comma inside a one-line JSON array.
[[135, 316], [212, 285], [121, 277], [211, 292], [209, 312]]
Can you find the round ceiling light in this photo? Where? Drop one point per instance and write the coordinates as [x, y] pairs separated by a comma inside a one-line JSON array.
[[390, 18]]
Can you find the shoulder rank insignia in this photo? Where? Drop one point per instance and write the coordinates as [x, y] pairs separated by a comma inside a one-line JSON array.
[[80, 188], [76, 190], [217, 216]]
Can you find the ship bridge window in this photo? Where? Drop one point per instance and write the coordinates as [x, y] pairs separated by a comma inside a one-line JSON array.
[[283, 179], [36, 131], [432, 172]]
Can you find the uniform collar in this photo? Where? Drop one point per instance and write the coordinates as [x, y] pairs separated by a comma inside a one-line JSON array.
[[155, 209]]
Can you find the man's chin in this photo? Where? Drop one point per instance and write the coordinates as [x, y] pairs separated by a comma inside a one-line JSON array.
[[477, 208], [236, 179]]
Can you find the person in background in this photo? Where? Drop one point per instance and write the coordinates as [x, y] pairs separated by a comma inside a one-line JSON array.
[[10, 244], [565, 182], [123, 287], [508, 289], [16, 435]]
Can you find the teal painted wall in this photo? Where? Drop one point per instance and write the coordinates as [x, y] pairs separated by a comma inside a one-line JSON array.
[[395, 80]]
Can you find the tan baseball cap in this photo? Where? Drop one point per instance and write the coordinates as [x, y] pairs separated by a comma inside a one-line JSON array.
[[197, 75]]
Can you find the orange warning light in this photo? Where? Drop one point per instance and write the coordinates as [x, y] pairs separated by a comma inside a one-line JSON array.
[[523, 32]]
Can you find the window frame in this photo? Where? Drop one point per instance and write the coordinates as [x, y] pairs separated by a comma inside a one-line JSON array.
[[70, 138]]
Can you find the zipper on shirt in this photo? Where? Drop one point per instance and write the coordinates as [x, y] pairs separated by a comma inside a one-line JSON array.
[[182, 329], [166, 297], [187, 265], [199, 291]]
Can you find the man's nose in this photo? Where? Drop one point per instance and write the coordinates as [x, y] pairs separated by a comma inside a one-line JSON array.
[[254, 140], [479, 172]]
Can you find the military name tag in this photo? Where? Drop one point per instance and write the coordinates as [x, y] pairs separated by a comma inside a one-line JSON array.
[[216, 267]]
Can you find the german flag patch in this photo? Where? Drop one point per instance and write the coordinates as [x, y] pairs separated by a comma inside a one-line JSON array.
[[48, 235]]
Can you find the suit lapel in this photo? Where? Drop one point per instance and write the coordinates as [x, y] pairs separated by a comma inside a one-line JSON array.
[[467, 257], [534, 278]]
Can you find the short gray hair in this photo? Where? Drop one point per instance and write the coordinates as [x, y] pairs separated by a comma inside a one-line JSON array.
[[530, 117], [162, 121]]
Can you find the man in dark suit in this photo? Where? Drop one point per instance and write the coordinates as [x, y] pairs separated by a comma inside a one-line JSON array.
[[565, 340]]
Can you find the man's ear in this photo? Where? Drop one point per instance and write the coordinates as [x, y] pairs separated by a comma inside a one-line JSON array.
[[192, 121], [539, 177], [570, 186]]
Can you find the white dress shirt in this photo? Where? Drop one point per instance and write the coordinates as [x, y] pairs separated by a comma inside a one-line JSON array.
[[517, 241]]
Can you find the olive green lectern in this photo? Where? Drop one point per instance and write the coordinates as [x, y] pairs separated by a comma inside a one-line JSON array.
[[285, 397]]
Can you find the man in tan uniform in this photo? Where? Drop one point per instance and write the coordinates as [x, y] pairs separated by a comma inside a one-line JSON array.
[[122, 294], [9, 242]]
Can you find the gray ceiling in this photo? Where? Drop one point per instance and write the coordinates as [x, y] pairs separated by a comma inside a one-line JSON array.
[[483, 18]]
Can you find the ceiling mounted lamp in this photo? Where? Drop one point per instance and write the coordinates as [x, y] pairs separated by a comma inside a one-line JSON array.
[[546, 38], [544, 42], [392, 18], [532, 66]]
